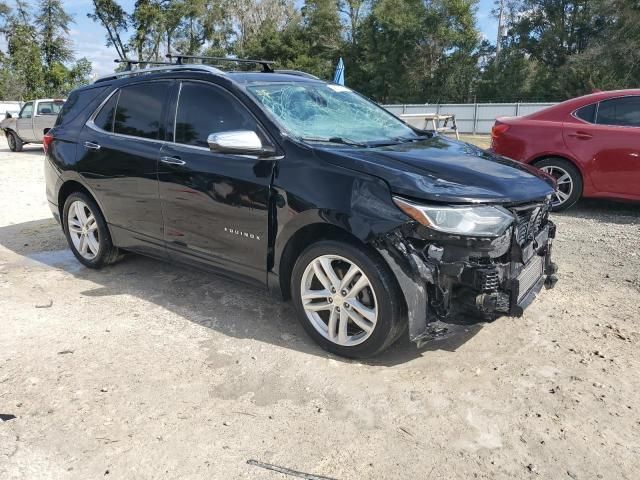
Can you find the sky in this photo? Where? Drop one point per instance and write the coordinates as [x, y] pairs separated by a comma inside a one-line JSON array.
[[89, 37]]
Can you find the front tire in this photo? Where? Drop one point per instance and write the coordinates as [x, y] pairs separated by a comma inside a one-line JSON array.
[[15, 144], [569, 182], [347, 299], [87, 233]]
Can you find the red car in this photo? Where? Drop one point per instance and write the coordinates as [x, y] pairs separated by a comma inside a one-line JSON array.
[[591, 145]]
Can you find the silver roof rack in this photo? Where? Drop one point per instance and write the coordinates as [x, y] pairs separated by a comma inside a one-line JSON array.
[[165, 68]]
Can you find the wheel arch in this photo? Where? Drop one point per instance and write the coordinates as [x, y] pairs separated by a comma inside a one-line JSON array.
[[566, 158], [303, 238], [70, 186]]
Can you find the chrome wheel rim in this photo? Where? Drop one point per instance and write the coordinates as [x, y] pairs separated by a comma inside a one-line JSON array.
[[564, 182], [339, 300], [83, 230]]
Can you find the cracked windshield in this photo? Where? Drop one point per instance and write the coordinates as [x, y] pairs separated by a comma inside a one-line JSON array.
[[330, 113]]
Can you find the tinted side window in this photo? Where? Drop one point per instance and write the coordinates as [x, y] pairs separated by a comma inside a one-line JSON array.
[[204, 109], [27, 110], [104, 119], [620, 111], [139, 111], [587, 113]]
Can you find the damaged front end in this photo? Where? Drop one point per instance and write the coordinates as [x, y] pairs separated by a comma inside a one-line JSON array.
[[450, 281]]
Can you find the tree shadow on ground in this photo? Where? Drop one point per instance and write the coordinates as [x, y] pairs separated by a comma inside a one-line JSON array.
[[213, 301]]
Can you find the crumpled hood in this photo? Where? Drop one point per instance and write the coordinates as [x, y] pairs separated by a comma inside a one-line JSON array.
[[445, 170]]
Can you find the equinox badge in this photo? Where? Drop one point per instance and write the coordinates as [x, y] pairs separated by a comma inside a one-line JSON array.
[[242, 234]]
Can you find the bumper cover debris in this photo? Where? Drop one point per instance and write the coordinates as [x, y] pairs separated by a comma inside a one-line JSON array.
[[450, 283]]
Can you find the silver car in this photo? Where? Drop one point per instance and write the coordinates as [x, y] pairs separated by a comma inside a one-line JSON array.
[[34, 120]]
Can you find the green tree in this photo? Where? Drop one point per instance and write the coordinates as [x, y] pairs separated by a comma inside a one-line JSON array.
[[24, 56], [612, 57], [55, 45], [115, 21]]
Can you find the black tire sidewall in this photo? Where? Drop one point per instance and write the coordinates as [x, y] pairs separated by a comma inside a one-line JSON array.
[[385, 289], [11, 140], [104, 238], [575, 175]]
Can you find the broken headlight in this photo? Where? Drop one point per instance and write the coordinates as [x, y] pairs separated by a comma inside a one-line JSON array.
[[476, 220]]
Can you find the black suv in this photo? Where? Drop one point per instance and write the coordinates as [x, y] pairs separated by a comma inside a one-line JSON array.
[[305, 187]]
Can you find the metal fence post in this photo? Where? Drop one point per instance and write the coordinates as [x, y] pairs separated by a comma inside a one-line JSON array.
[[475, 117], [518, 109]]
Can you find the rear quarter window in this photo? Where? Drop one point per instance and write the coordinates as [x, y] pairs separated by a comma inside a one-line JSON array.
[[76, 104], [104, 119], [587, 113]]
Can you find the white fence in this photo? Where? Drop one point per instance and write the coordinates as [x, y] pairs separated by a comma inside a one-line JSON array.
[[9, 106], [471, 117]]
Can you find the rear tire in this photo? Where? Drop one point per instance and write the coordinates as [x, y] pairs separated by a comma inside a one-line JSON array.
[[15, 144], [569, 182], [358, 315], [87, 233]]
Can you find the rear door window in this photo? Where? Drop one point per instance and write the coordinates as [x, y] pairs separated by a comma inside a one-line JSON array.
[[140, 108], [624, 111], [204, 109]]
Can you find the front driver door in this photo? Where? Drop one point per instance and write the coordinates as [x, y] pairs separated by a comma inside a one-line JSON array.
[[215, 206], [24, 122]]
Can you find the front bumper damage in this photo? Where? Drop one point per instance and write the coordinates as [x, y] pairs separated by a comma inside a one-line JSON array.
[[451, 282]]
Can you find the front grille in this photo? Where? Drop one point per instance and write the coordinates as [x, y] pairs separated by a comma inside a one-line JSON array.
[[529, 221]]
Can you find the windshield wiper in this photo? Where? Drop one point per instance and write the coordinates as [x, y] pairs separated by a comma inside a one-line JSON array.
[[395, 141], [339, 140]]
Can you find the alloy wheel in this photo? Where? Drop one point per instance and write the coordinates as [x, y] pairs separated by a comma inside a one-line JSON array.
[[83, 230], [339, 300], [564, 182]]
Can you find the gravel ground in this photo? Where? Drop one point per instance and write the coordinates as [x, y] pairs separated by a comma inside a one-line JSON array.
[[147, 370]]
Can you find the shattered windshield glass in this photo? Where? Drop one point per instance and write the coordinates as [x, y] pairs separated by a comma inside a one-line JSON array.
[[330, 113]]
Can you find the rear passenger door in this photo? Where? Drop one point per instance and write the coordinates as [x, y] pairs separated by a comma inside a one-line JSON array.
[[118, 153], [215, 205]]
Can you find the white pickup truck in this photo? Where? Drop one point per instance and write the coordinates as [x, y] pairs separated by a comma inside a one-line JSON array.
[[34, 120]]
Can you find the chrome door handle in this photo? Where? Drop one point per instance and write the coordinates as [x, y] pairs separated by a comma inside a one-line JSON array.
[[172, 160], [91, 146]]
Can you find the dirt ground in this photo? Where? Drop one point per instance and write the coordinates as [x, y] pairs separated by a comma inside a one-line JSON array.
[[147, 370]]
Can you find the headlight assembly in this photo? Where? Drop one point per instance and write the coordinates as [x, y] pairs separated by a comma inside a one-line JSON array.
[[477, 220]]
